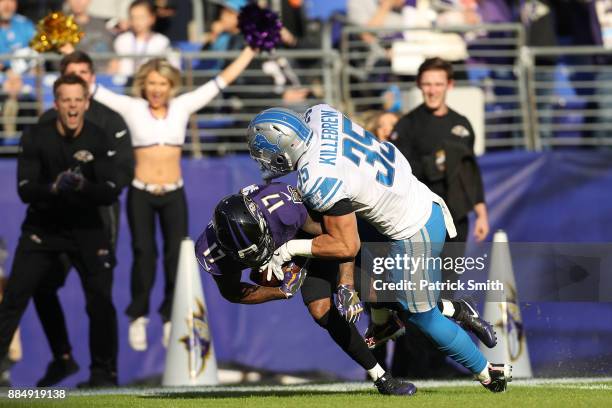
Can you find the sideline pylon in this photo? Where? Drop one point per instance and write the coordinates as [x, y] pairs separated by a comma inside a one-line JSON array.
[[190, 359], [505, 315]]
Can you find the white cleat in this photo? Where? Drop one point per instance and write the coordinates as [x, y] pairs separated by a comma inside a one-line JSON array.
[[138, 333]]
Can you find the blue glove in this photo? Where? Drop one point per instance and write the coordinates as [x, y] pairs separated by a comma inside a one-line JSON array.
[[348, 303]]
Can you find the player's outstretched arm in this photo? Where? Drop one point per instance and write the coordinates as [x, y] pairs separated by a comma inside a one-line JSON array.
[[233, 70], [340, 239], [235, 291]]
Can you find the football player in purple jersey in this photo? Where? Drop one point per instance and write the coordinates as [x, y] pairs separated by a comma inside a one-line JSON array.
[[245, 230]]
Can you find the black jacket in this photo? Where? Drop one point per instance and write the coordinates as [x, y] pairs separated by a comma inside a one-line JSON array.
[[43, 155], [424, 139], [116, 133]]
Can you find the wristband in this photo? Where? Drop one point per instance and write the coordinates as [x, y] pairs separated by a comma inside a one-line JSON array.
[[300, 247]]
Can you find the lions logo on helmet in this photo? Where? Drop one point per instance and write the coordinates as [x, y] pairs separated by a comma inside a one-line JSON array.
[[277, 138], [262, 143]]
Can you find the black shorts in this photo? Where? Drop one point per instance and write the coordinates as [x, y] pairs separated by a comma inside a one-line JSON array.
[[321, 281]]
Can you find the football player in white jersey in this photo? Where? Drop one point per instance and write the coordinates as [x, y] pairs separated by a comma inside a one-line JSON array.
[[344, 172]]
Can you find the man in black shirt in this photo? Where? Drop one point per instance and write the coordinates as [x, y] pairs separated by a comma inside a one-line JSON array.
[[46, 300], [439, 145], [66, 170]]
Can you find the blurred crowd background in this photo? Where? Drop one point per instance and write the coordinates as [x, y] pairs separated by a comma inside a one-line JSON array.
[[539, 71]]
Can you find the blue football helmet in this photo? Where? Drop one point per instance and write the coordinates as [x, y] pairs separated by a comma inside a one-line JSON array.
[[277, 138]]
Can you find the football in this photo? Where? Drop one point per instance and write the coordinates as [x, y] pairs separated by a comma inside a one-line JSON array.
[[259, 278]]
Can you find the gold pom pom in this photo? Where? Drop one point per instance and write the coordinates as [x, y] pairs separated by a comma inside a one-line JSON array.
[[54, 31]]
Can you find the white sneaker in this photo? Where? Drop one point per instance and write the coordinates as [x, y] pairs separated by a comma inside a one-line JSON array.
[[138, 333], [166, 336]]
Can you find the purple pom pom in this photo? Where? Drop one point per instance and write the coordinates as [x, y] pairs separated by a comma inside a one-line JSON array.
[[260, 27]]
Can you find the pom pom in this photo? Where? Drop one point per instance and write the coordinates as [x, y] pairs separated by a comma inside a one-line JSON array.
[[55, 30], [260, 27]]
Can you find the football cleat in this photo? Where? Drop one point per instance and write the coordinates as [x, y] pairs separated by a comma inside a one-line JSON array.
[[470, 320], [378, 334], [501, 375], [387, 385], [57, 370]]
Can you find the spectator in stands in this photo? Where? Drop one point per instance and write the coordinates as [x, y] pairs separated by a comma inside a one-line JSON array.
[[439, 145], [97, 38], [15, 106], [375, 13], [34, 10], [295, 32], [173, 18], [539, 19], [140, 39], [277, 72], [115, 12], [64, 173], [157, 121], [46, 300], [16, 31], [600, 15], [382, 125]]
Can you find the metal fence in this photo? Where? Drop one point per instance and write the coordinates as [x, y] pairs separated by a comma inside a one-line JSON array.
[[570, 96], [292, 78], [534, 98], [491, 61]]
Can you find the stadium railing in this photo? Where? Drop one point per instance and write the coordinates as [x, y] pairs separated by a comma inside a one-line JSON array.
[[220, 126], [569, 95], [487, 56], [535, 98]]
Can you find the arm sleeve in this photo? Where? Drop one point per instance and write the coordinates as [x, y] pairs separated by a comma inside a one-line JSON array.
[[114, 101], [104, 190], [122, 144], [198, 98], [29, 187], [341, 207]]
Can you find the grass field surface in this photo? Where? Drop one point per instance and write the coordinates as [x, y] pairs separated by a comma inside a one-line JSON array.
[[521, 393]]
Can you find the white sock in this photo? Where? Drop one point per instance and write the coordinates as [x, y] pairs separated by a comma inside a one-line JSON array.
[[380, 316], [376, 372], [448, 309], [484, 376]]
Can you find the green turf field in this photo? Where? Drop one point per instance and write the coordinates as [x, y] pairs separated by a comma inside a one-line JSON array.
[[564, 393]]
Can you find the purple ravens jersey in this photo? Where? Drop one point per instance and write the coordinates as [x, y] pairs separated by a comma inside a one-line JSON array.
[[281, 206]]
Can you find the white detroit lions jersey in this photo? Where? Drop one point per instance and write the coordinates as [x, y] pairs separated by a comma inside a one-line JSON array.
[[345, 161]]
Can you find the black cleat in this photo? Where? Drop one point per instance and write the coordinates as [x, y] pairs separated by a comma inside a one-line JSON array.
[[100, 379], [5, 373], [501, 375], [469, 319], [388, 385], [57, 370], [378, 334]]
